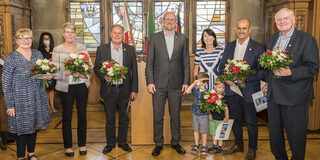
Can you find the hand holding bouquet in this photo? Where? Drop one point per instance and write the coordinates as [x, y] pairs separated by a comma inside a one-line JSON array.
[[112, 69], [78, 64], [44, 70], [237, 71], [212, 101], [274, 60]]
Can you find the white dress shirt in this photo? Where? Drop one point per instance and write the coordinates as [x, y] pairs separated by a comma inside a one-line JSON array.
[[240, 49]]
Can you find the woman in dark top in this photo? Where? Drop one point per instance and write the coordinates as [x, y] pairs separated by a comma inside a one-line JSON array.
[[46, 45]]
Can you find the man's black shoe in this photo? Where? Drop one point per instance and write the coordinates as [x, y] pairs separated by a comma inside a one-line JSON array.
[[156, 151], [107, 149], [125, 147], [178, 148]]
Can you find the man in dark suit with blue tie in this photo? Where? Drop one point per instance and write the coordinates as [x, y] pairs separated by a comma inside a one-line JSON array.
[[289, 96], [167, 74], [118, 94], [244, 48]]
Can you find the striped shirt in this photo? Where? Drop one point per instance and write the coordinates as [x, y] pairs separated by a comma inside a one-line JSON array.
[[209, 63], [59, 55], [283, 41]]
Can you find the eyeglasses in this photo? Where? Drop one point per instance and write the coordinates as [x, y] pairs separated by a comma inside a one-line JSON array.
[[169, 19], [25, 38], [69, 32]]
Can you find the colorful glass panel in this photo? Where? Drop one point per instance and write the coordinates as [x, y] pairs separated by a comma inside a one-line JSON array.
[[86, 17], [211, 14]]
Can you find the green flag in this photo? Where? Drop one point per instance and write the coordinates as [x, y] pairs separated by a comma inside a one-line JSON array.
[[150, 27]]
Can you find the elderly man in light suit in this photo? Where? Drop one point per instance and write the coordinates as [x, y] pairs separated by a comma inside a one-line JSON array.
[[168, 73], [289, 96]]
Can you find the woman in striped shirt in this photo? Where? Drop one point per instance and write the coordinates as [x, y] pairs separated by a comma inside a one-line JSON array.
[[207, 58]]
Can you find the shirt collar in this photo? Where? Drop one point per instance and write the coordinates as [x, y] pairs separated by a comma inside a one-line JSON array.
[[112, 47], [166, 35], [288, 35], [244, 43]]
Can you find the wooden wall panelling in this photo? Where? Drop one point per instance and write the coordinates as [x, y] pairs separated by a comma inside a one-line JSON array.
[[314, 115]]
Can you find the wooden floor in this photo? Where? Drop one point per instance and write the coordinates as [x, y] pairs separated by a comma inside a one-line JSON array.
[[49, 143]]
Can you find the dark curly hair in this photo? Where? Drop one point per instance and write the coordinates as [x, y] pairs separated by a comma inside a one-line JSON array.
[[210, 32], [41, 45]]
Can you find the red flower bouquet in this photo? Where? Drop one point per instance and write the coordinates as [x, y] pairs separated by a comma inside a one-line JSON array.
[[236, 70]]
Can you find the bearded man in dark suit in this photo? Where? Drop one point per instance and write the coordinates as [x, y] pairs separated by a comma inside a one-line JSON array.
[[244, 48], [118, 94], [289, 96], [168, 73]]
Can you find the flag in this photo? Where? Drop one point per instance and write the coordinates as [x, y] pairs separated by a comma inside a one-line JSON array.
[[150, 27], [126, 26], [178, 29], [178, 23]]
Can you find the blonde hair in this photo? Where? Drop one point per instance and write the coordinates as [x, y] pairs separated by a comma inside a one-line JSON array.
[[69, 26], [202, 75], [218, 81], [21, 32]]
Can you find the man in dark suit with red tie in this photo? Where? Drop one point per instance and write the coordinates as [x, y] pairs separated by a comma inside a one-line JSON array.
[[244, 48], [118, 94], [289, 96]]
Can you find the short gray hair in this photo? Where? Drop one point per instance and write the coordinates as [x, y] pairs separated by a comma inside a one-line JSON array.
[[69, 26], [284, 9]]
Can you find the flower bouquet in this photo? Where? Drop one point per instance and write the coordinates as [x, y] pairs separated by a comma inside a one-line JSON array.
[[212, 101], [78, 63], [274, 60], [236, 70], [112, 69], [42, 68]]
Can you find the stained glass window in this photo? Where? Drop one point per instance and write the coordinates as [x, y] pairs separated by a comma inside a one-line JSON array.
[[135, 16], [161, 7], [86, 17], [211, 14]]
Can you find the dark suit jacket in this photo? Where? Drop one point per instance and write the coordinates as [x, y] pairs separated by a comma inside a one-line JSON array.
[[130, 84], [297, 88], [162, 71], [253, 52]]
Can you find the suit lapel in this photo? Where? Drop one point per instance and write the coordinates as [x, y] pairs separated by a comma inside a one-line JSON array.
[[175, 43], [233, 49], [249, 51], [291, 42], [108, 53], [124, 54], [164, 43]]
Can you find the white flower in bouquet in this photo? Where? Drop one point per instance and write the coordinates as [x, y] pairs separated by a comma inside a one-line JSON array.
[[45, 61], [218, 102], [81, 56], [38, 62], [44, 67], [73, 56], [206, 96], [86, 67], [76, 63]]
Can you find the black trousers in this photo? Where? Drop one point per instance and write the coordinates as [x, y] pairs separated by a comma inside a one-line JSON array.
[[111, 103], [78, 92], [295, 121], [237, 108], [24, 140], [159, 101]]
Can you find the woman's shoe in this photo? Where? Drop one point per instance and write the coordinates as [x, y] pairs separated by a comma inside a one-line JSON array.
[[30, 157], [69, 154], [83, 151]]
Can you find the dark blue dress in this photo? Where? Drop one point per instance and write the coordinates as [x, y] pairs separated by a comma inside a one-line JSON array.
[[26, 95]]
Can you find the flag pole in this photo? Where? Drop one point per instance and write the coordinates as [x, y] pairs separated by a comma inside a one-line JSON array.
[[134, 45]]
